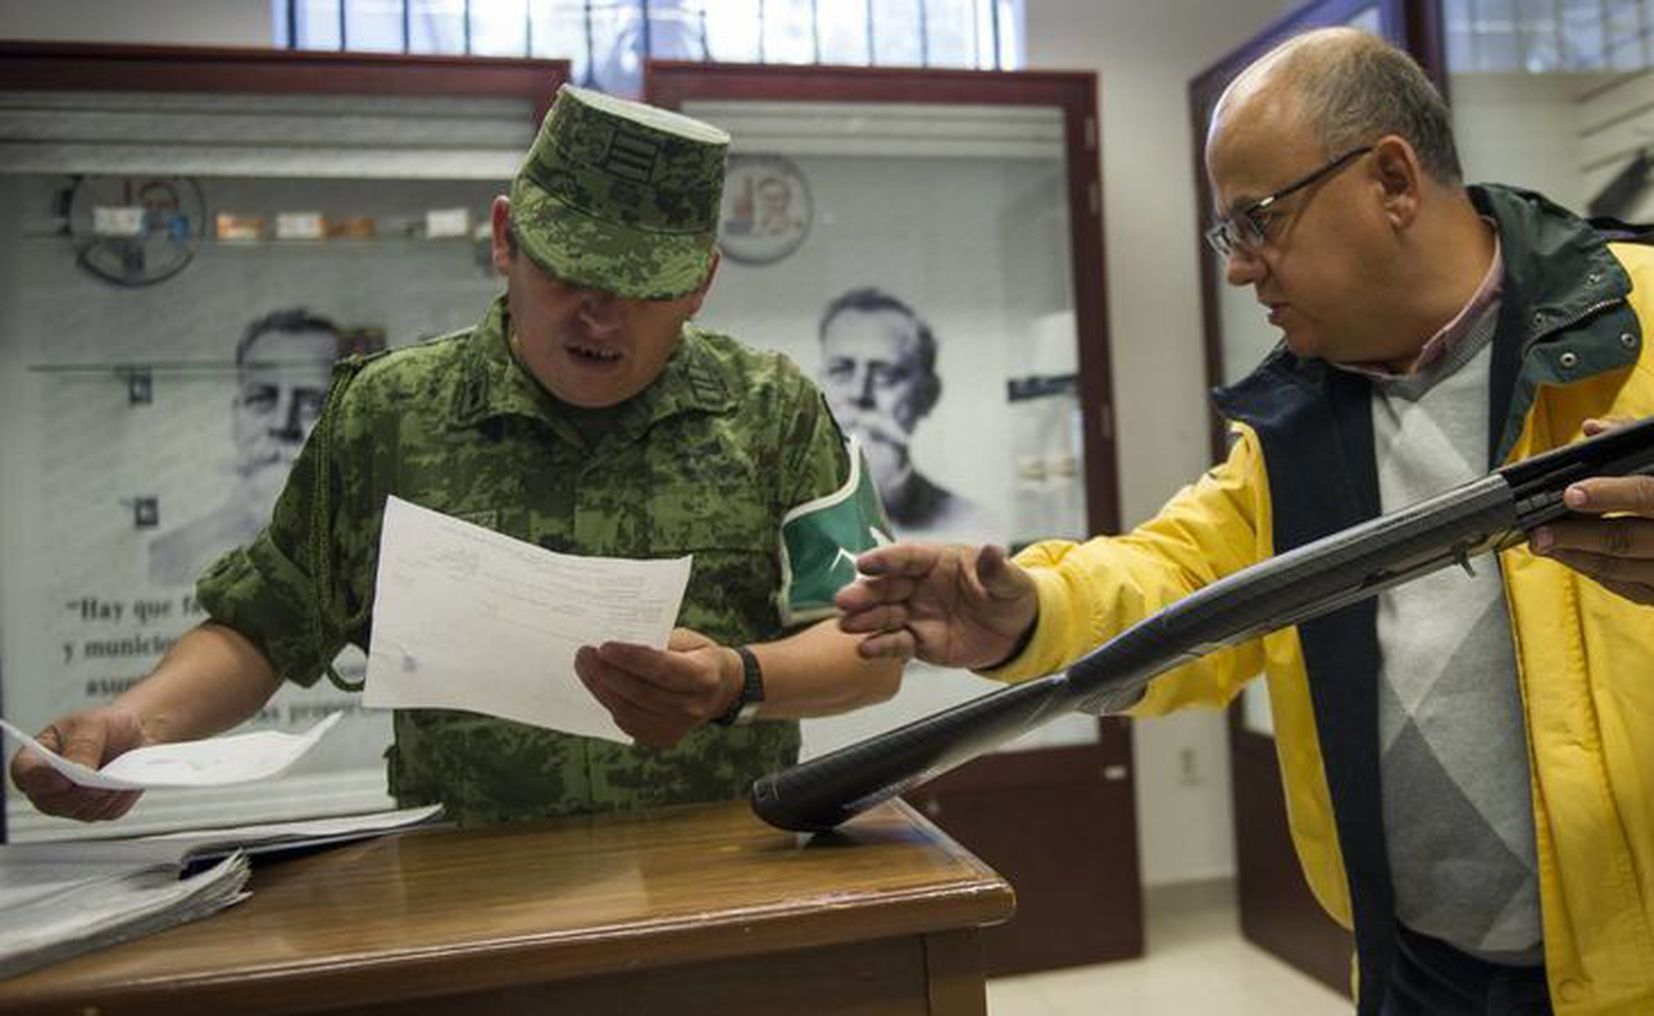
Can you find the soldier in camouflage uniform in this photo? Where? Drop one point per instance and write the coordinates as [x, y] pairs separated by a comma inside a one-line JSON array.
[[586, 415]]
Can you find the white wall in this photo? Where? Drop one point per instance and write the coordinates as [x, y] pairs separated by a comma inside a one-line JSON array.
[[1527, 129], [1146, 51], [1614, 118], [161, 22]]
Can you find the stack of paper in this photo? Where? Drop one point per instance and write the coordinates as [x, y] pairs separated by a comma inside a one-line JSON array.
[[62, 899], [198, 848], [57, 911]]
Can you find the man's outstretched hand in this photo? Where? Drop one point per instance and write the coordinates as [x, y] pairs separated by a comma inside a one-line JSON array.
[[951, 605], [92, 738]]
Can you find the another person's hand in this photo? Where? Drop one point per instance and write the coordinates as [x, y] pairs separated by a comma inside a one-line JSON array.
[[656, 695], [954, 606], [91, 738], [1618, 553]]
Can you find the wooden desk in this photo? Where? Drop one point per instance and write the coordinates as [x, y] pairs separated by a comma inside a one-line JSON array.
[[687, 910]]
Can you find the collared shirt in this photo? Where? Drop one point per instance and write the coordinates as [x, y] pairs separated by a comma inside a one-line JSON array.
[[1454, 332]]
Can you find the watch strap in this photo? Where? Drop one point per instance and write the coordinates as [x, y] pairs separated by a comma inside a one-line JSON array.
[[744, 709]]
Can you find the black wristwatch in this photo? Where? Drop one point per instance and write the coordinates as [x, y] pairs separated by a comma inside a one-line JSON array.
[[745, 707]]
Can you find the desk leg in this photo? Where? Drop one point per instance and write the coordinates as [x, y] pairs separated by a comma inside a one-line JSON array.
[[953, 974]]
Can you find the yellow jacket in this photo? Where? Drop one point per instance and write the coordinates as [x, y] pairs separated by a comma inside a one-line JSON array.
[[1585, 656]]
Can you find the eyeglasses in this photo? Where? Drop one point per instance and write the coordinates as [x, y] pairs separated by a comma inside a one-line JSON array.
[[1246, 228]]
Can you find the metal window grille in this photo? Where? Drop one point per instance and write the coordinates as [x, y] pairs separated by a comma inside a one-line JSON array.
[[608, 42], [1549, 36]]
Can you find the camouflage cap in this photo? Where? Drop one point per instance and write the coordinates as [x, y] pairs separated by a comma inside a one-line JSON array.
[[619, 196]]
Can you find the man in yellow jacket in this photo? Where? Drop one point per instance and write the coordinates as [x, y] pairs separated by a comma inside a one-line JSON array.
[[1469, 759]]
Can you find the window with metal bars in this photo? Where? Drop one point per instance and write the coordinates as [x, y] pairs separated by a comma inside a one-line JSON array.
[[608, 42], [1549, 36]]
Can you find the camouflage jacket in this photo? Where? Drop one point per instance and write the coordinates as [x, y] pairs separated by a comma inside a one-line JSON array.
[[707, 461]]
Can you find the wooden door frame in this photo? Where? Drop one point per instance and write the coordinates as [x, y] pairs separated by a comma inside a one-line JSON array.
[[1277, 910], [51, 66]]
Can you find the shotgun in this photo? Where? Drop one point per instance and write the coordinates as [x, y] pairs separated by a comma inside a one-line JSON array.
[[1475, 518]]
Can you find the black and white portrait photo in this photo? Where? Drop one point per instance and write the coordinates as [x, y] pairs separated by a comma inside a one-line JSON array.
[[283, 361], [878, 369]]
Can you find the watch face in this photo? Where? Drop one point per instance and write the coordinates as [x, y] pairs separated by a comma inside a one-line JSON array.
[[135, 231]]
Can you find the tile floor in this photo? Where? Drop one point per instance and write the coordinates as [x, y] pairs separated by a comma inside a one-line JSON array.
[[1195, 962]]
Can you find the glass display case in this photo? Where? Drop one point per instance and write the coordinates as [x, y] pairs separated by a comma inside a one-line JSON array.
[[928, 246], [191, 238]]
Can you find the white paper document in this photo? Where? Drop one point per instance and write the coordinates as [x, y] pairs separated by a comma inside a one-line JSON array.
[[250, 838], [56, 921], [466, 618], [212, 762], [32, 871]]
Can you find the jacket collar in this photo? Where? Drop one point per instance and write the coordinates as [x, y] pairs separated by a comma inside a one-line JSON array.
[[496, 385], [1558, 270], [1565, 317]]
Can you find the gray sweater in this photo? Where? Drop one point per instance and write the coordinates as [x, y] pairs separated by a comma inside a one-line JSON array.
[[1458, 814]]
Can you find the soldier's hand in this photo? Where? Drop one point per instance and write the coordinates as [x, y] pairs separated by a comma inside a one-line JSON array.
[[1617, 552], [656, 695], [91, 738], [955, 606]]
